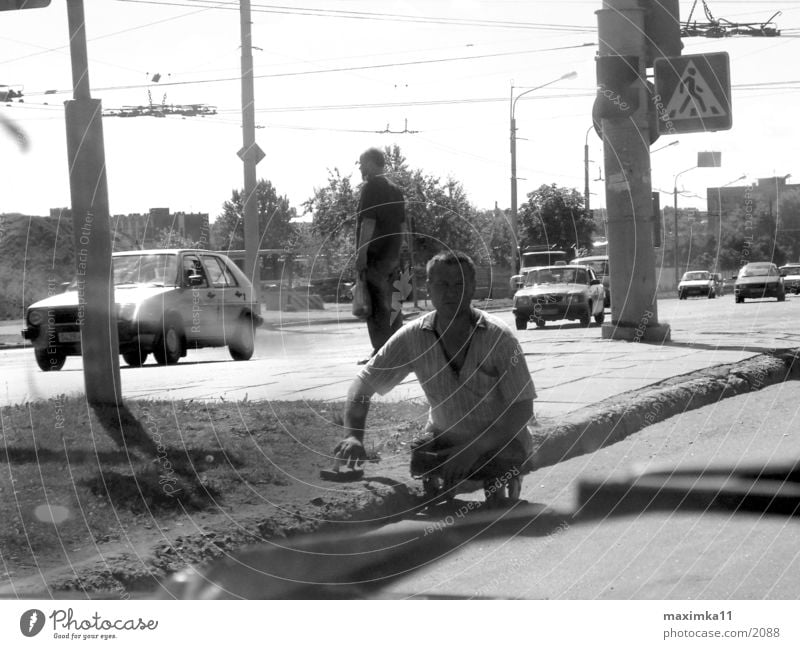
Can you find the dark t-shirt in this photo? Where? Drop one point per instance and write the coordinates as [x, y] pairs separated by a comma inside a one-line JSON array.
[[382, 201]]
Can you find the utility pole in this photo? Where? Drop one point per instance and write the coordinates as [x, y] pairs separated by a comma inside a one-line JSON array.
[[586, 170], [250, 153], [91, 225], [622, 61]]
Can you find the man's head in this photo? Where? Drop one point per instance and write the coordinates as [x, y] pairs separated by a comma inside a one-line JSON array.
[[372, 162], [451, 282]]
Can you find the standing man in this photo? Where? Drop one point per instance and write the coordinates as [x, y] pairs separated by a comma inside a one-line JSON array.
[[471, 369], [379, 236]]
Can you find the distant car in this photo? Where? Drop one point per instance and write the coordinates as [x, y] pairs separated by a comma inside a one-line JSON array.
[[697, 282], [757, 280], [791, 277], [167, 301], [559, 293], [599, 264]]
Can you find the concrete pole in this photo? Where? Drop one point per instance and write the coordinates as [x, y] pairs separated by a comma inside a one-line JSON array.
[[626, 154], [250, 151], [91, 225]]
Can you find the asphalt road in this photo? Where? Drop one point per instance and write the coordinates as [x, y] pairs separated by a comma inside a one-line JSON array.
[[654, 555], [317, 359]]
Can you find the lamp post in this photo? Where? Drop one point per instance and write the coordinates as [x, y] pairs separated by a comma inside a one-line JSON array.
[[675, 216], [568, 75]]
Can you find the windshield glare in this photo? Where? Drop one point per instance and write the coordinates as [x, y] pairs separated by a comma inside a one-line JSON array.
[[151, 269], [556, 275], [756, 271], [689, 277]]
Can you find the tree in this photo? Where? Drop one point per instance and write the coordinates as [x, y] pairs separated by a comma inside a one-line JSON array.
[[789, 225], [555, 217], [274, 215]]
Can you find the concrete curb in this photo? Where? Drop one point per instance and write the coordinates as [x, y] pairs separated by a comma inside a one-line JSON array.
[[592, 428]]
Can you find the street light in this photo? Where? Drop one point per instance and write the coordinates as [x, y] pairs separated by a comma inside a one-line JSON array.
[[675, 216], [569, 75], [673, 143]]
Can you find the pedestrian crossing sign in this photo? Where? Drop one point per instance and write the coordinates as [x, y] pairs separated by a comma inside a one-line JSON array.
[[693, 93]]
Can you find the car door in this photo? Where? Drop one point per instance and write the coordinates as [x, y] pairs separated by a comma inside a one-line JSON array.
[[596, 291], [231, 297], [202, 317]]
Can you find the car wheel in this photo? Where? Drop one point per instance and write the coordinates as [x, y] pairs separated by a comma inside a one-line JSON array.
[[781, 296], [540, 323], [739, 300], [49, 362], [586, 317], [135, 357], [243, 345], [169, 345], [681, 296], [711, 294], [522, 323], [599, 318]]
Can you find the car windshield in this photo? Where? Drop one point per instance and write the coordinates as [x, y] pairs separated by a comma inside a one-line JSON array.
[[556, 275], [755, 270], [791, 270], [151, 269], [692, 276], [599, 266]]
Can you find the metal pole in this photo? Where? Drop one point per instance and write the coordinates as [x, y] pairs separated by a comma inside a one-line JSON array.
[[249, 152], [516, 251], [91, 225], [675, 237], [586, 170]]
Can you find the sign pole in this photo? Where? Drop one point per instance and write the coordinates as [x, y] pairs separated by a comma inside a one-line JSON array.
[[91, 225]]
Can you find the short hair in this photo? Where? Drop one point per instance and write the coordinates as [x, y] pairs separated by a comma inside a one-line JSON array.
[[375, 155], [452, 258]]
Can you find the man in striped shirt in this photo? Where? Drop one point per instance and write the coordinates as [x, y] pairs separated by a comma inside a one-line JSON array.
[[471, 369]]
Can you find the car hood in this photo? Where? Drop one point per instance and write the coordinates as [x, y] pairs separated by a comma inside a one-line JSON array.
[[547, 289], [694, 282], [133, 294]]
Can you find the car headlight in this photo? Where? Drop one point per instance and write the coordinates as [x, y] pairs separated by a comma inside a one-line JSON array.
[[523, 300], [576, 297], [35, 317]]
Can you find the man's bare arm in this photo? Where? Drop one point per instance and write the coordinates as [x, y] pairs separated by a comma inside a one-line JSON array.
[[351, 449]]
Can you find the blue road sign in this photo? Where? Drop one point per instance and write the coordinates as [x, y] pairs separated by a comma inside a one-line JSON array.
[[693, 93]]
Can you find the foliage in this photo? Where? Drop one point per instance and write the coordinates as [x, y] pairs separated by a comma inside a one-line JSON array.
[[274, 215], [37, 254], [555, 216], [169, 238], [438, 213]]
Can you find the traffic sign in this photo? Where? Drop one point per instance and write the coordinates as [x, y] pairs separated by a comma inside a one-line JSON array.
[[693, 93], [258, 154]]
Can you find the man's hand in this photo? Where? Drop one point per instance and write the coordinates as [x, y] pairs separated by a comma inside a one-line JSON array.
[[350, 452]]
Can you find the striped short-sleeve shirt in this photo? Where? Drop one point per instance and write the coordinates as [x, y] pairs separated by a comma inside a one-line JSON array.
[[494, 374]]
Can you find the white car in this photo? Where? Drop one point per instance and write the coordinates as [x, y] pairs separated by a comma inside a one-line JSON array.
[[697, 282], [791, 277], [559, 293]]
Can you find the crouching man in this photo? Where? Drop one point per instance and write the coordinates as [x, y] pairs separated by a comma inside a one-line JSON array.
[[474, 376]]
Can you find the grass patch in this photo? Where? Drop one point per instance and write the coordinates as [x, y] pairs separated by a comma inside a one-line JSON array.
[[72, 479]]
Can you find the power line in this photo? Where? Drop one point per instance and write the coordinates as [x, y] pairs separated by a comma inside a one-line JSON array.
[[364, 15], [374, 66]]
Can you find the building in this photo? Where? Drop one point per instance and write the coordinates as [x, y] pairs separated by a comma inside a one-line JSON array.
[[147, 230], [762, 195]]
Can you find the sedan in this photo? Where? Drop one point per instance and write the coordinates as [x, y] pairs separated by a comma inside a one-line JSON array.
[[559, 293], [791, 277], [167, 301], [757, 280], [697, 282]]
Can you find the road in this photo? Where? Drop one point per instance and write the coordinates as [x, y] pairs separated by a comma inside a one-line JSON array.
[[314, 360], [680, 556]]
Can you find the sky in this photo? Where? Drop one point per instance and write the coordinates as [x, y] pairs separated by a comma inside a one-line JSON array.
[[332, 76]]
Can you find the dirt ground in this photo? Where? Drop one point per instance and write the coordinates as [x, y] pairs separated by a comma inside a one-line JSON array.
[[91, 512]]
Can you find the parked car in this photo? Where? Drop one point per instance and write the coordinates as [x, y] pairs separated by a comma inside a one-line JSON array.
[[167, 301], [791, 277], [559, 293], [697, 282], [599, 264], [757, 280]]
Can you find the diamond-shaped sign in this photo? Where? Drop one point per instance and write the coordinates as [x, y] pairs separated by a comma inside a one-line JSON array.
[[693, 93], [257, 152]]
